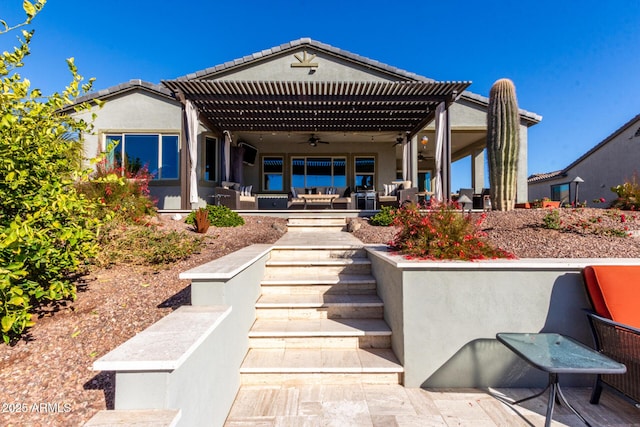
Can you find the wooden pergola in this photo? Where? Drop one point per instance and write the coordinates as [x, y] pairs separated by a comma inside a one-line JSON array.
[[324, 106]]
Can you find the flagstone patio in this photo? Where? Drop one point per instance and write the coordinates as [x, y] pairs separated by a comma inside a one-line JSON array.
[[394, 405]]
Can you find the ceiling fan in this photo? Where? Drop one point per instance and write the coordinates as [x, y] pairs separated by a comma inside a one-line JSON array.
[[399, 140], [422, 157], [314, 141]]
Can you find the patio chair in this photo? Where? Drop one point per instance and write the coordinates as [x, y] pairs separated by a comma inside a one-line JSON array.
[[396, 194], [614, 292]]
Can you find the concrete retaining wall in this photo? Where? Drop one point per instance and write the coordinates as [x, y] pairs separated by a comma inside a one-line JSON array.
[[445, 315], [190, 359]]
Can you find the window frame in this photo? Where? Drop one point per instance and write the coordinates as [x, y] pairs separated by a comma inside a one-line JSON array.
[[371, 174], [159, 134], [216, 162], [332, 159], [263, 173], [563, 184]]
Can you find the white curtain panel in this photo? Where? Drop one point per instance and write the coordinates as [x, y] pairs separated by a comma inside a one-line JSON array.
[[192, 136], [406, 160], [226, 148], [440, 128]]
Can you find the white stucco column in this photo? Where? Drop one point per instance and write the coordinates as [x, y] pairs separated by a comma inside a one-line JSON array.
[[477, 171], [413, 161], [522, 187]]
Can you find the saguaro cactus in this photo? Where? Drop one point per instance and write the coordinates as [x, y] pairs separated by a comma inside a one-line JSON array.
[[503, 144]]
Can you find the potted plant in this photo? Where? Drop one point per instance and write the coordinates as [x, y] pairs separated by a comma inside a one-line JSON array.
[[548, 203]]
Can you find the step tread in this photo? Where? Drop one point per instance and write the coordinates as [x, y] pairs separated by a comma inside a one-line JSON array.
[[319, 328], [319, 262], [325, 279], [315, 224], [318, 301], [314, 360]]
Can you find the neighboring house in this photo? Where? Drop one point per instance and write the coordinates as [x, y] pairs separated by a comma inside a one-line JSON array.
[[305, 114], [612, 162]]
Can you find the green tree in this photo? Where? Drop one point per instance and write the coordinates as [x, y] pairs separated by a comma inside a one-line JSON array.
[[47, 230]]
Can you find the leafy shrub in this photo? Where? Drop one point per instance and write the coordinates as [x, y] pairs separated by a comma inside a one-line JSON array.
[[47, 229], [610, 223], [119, 192], [219, 216], [443, 232], [123, 243], [552, 220], [384, 217], [628, 195]]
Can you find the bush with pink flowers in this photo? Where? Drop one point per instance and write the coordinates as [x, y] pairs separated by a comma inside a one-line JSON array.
[[441, 232]]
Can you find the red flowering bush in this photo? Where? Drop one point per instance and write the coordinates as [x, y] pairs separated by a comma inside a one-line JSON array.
[[442, 232], [120, 193]]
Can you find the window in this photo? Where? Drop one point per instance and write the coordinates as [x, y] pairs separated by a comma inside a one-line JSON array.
[[210, 154], [365, 172], [424, 181], [561, 192], [318, 172], [272, 172], [157, 152]]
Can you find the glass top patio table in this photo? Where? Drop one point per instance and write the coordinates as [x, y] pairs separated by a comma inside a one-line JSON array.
[[555, 353]]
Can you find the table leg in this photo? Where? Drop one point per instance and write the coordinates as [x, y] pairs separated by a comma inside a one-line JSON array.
[[555, 394], [564, 400], [532, 397], [552, 398]]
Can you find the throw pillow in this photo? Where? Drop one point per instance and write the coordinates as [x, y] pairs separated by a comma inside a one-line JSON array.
[[390, 189]]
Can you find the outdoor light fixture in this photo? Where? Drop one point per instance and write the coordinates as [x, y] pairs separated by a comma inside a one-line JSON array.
[[577, 180], [424, 140], [464, 200]]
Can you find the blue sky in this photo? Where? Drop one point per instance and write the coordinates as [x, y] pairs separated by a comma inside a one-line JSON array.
[[576, 63]]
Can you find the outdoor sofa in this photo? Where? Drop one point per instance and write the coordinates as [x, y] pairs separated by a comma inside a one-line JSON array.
[[345, 199], [236, 199]]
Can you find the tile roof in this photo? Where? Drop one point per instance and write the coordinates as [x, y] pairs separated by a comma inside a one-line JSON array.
[[531, 118], [544, 176], [122, 88]]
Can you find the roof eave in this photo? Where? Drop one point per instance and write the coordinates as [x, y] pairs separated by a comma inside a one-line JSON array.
[[528, 117]]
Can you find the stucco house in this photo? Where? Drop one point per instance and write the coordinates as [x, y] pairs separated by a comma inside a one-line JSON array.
[[611, 162], [301, 114]]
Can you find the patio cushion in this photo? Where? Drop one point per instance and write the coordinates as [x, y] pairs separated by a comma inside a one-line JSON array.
[[615, 292], [390, 189]]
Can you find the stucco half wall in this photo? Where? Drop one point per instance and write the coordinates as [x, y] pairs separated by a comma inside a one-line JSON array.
[[445, 315]]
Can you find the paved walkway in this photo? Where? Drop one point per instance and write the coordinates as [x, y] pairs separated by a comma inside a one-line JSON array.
[[351, 405]]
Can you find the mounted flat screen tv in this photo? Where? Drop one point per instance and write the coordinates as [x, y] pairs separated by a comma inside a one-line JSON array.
[[250, 153]]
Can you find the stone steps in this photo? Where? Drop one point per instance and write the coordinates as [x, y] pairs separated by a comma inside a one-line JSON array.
[[314, 268], [326, 365], [316, 254], [315, 224], [314, 306], [319, 318]]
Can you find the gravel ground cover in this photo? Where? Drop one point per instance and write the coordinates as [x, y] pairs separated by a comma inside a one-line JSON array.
[[46, 378]]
